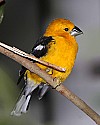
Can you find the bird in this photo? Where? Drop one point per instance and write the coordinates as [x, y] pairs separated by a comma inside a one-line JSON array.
[[57, 46]]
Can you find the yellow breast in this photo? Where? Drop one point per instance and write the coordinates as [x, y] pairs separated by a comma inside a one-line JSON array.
[[61, 52]]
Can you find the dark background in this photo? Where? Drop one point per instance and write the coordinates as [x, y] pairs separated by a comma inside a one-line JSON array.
[[24, 22]]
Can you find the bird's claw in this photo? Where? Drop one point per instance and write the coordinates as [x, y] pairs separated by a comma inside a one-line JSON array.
[[57, 82]]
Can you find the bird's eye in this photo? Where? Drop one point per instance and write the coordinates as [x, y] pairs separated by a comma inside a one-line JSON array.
[[66, 29]]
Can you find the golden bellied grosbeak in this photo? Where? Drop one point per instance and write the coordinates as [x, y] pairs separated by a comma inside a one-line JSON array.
[[57, 46]]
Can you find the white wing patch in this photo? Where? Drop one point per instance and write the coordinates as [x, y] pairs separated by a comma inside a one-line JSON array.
[[39, 47]]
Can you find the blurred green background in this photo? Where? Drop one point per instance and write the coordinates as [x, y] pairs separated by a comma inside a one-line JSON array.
[[24, 22]]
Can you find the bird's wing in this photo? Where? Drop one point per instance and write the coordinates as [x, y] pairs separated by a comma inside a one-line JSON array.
[[39, 49], [21, 74]]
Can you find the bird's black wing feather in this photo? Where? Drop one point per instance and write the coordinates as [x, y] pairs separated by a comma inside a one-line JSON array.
[[21, 74], [40, 49]]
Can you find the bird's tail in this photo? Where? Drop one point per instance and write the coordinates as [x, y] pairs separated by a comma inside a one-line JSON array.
[[23, 102], [43, 88]]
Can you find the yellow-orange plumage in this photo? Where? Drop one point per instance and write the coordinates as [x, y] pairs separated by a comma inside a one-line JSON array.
[[58, 46], [62, 50], [61, 53]]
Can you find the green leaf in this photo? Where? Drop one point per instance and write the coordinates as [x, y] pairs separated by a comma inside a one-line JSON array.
[[2, 4]]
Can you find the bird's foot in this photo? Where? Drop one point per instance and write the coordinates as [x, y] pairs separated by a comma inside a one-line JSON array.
[[57, 82]]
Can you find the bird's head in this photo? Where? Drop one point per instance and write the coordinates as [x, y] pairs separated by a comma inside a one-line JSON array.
[[62, 27]]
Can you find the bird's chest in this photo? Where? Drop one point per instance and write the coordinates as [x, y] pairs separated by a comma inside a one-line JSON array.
[[61, 53]]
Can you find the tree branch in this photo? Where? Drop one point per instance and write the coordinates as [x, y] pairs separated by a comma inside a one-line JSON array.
[[31, 57], [61, 89]]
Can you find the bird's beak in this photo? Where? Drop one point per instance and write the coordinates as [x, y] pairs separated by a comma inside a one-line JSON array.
[[76, 31]]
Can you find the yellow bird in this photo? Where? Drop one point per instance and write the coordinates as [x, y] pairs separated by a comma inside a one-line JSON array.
[[57, 46]]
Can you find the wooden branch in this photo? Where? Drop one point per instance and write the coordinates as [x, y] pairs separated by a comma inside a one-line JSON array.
[[32, 57], [61, 89]]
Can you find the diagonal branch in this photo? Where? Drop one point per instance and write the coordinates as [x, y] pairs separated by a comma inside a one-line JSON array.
[[61, 89], [31, 57]]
